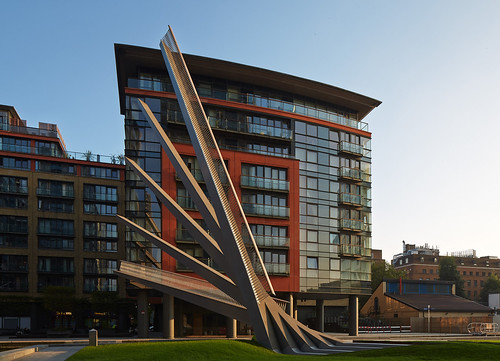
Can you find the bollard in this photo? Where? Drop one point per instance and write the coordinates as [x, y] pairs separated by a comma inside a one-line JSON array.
[[93, 338]]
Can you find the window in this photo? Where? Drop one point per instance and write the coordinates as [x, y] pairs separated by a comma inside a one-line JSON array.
[[424, 271], [334, 238], [13, 201], [97, 192], [55, 188], [99, 208], [55, 264], [13, 224], [100, 229], [99, 266], [55, 243], [56, 227], [15, 163], [13, 184], [99, 172], [55, 205], [312, 262], [54, 167]]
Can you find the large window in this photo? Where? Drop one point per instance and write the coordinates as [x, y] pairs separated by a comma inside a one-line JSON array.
[[99, 172], [15, 163], [56, 264], [100, 229], [13, 184], [270, 236], [55, 188], [13, 224], [265, 204], [98, 192], [258, 176], [59, 227], [55, 167]]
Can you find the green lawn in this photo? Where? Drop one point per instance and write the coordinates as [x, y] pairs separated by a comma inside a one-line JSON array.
[[220, 350]]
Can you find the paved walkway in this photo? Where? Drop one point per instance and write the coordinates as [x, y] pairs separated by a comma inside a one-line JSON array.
[[52, 353]]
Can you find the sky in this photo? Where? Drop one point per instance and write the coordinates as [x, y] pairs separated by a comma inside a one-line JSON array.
[[433, 64]]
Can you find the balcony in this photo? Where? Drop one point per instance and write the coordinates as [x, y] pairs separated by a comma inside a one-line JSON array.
[[272, 241], [60, 193], [353, 225], [13, 188], [351, 148], [329, 115], [282, 269], [354, 200], [208, 261], [265, 183], [354, 174], [245, 127], [196, 174], [265, 210], [356, 251], [91, 196]]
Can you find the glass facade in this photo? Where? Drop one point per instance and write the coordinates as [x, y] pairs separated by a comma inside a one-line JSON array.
[[335, 214]]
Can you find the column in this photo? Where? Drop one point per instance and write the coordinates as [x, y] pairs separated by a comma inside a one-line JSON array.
[[142, 314], [168, 316], [291, 308], [232, 328], [353, 315], [320, 315]]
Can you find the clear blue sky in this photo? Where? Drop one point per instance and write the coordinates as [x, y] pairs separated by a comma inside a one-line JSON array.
[[434, 64]]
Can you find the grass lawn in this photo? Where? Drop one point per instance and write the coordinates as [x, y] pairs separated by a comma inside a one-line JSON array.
[[220, 350]]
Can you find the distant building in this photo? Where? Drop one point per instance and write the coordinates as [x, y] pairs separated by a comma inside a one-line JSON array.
[[57, 222], [422, 263], [407, 302]]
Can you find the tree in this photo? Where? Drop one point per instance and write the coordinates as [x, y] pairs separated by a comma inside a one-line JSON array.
[[448, 272], [381, 270], [492, 285]]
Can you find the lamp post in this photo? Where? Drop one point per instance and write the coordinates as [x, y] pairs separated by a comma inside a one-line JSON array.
[[428, 318]]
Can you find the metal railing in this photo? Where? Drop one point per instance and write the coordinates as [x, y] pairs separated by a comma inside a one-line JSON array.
[[258, 100], [351, 148], [272, 241], [265, 183], [266, 210], [69, 193], [277, 268]]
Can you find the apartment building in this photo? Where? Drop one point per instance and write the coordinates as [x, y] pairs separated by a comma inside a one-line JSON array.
[[299, 155], [57, 222]]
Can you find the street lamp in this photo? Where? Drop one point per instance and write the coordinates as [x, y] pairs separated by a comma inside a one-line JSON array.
[[428, 318]]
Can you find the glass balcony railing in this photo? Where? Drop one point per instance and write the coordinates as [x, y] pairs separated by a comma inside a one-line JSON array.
[[265, 210], [272, 241], [354, 199], [354, 174], [353, 224], [55, 193], [186, 202], [91, 196], [196, 174], [245, 127], [277, 268], [265, 183], [355, 250], [12, 188], [29, 130], [258, 100], [351, 148], [208, 261]]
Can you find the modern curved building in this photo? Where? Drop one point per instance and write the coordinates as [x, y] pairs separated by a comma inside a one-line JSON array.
[[299, 155]]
